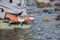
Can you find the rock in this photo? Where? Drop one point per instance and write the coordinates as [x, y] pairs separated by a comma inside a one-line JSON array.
[[24, 37], [45, 1], [57, 4], [34, 4], [43, 5], [46, 19], [58, 18], [21, 39], [48, 38], [52, 0], [27, 7], [46, 10], [57, 9]]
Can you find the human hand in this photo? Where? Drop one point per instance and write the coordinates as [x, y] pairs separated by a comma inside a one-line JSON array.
[[26, 19], [11, 18]]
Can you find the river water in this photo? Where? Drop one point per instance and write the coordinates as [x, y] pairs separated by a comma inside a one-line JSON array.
[[41, 30]]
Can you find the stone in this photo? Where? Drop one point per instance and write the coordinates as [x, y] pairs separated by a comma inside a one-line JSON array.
[[46, 10], [34, 4], [58, 18], [45, 1], [21, 39], [24, 37], [43, 5], [46, 19], [57, 9], [57, 4], [52, 0]]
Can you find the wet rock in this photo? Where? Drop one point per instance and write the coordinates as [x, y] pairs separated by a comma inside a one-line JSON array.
[[43, 5], [58, 18], [24, 37], [45, 1], [49, 38], [46, 19], [46, 11], [57, 4], [57, 9], [34, 4], [52, 0]]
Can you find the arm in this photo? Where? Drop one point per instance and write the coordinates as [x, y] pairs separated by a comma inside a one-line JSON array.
[[23, 6], [23, 3], [2, 13]]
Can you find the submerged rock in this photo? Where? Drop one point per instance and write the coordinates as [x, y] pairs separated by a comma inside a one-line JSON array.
[[24, 37], [58, 18], [46, 19], [34, 4], [52, 0], [57, 9], [57, 4], [47, 11]]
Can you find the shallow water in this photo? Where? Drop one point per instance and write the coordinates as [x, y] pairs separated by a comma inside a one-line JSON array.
[[41, 30]]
